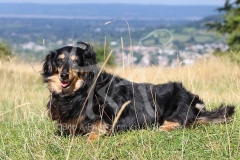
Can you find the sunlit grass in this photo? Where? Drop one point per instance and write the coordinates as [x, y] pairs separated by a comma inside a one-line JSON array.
[[22, 93], [27, 133]]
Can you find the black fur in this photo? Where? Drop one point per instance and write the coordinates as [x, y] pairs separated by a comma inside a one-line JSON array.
[[150, 104]]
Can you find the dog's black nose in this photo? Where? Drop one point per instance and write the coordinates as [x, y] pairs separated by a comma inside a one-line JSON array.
[[64, 76]]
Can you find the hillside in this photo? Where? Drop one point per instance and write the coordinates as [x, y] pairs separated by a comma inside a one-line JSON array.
[[34, 29], [26, 35]]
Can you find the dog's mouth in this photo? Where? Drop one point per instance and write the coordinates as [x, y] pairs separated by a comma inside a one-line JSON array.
[[66, 84]]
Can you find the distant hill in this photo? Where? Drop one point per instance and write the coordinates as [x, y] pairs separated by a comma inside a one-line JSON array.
[[106, 11]]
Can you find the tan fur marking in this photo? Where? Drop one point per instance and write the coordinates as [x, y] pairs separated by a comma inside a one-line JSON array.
[[93, 136], [167, 126], [54, 84], [73, 57], [72, 73], [78, 84], [60, 70], [61, 56]]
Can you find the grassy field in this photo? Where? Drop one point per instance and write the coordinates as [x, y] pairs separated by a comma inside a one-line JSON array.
[[27, 133]]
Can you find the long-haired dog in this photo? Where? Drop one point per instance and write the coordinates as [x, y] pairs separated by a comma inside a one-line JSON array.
[[86, 101]]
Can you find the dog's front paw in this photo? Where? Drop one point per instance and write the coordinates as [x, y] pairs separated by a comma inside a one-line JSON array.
[[168, 125], [93, 136]]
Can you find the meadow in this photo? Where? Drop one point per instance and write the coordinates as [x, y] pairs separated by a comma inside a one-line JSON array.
[[26, 132]]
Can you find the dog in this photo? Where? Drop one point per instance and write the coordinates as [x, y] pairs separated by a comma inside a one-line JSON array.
[[87, 100]]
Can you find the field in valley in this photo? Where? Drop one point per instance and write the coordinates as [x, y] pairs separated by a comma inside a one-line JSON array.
[[26, 132]]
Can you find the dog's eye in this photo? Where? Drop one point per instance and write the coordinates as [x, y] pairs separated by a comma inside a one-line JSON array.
[[59, 60], [77, 61]]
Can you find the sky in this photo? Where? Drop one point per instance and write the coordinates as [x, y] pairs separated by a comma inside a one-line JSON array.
[[165, 2]]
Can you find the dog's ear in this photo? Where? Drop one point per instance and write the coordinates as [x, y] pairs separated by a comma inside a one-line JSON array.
[[89, 56], [49, 66]]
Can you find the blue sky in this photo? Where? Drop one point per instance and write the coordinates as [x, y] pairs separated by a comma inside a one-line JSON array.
[[167, 2]]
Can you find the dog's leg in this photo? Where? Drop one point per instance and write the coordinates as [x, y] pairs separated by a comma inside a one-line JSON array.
[[168, 125], [99, 128]]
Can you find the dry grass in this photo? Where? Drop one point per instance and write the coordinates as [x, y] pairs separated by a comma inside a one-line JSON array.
[[22, 93]]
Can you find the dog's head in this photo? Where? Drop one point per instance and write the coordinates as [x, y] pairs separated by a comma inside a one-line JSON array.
[[64, 69]]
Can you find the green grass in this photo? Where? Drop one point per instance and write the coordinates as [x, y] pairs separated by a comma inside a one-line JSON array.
[[181, 37], [26, 132], [189, 30], [204, 38], [36, 138]]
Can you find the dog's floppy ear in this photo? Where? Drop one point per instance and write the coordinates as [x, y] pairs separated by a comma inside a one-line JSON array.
[[89, 56], [49, 66]]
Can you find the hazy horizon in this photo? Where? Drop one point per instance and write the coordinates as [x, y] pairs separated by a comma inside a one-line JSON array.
[[149, 2]]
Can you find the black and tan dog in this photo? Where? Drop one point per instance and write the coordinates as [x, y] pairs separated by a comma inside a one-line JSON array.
[[85, 101]]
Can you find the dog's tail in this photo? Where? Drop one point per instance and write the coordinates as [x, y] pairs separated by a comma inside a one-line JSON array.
[[219, 115]]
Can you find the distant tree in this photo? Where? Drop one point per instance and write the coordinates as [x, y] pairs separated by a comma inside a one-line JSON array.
[[230, 24], [102, 53], [191, 40], [5, 51]]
